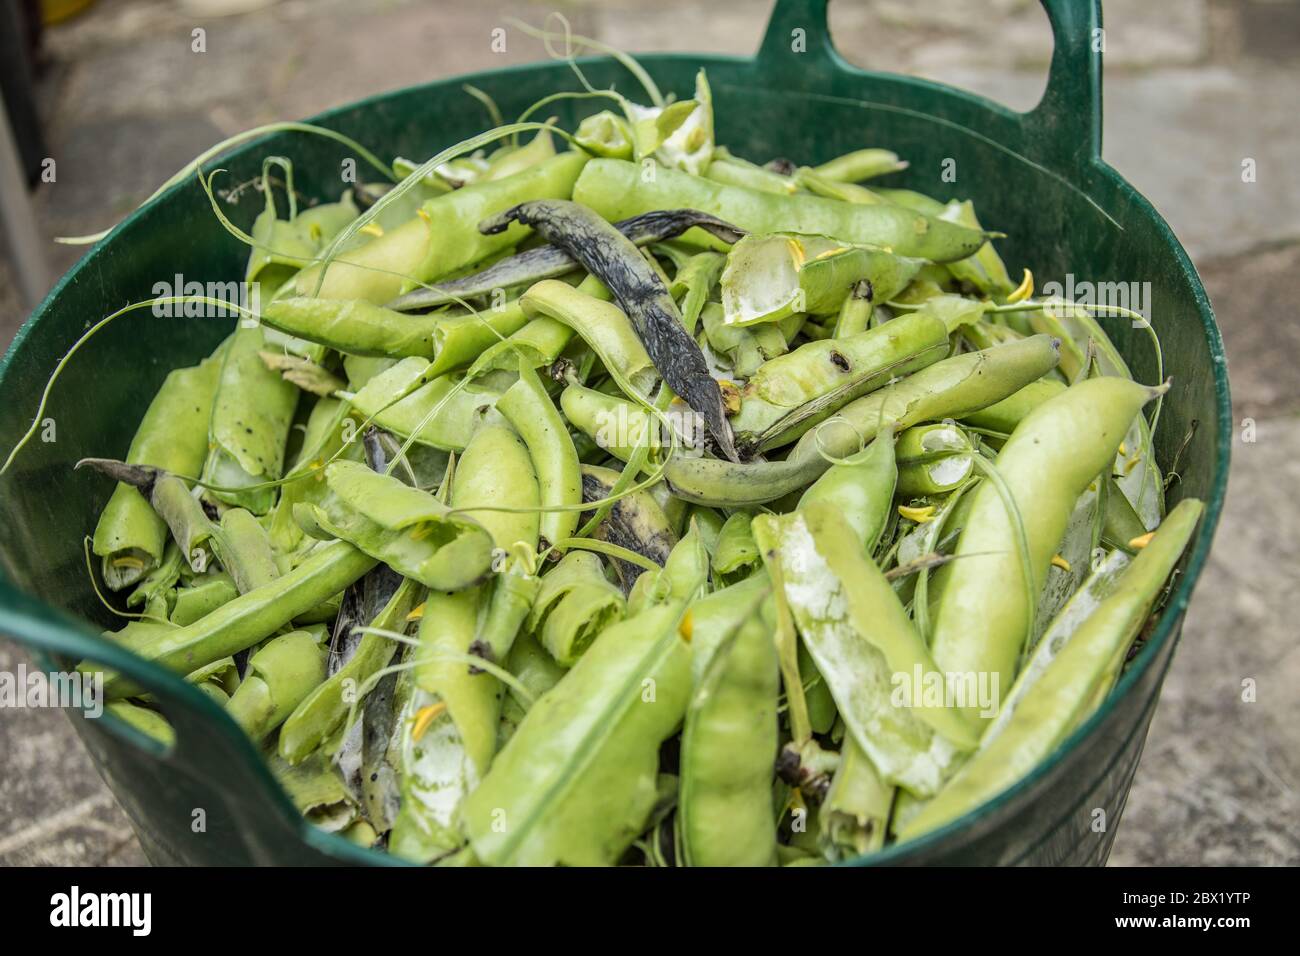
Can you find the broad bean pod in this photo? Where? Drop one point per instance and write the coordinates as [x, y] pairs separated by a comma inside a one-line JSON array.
[[575, 784], [514, 591], [853, 818], [607, 254], [407, 529], [639, 522], [1051, 458], [731, 171], [551, 262], [284, 246], [1005, 415], [617, 190], [443, 238], [1071, 687], [692, 284], [354, 326], [948, 389], [528, 407], [684, 576], [984, 269], [574, 604], [730, 738], [252, 617], [511, 159], [203, 596], [448, 730], [534, 668], [603, 326], [861, 488], [249, 426], [496, 471], [458, 403], [745, 347], [793, 392], [736, 554], [857, 314], [860, 164], [172, 436], [244, 549], [280, 675], [933, 459], [709, 524], [770, 277], [368, 596], [605, 134], [323, 710], [859, 635], [615, 424]]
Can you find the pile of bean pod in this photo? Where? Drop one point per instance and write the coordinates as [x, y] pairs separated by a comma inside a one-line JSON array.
[[602, 497]]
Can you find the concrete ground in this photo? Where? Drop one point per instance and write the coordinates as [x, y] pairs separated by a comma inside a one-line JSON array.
[[1193, 88]]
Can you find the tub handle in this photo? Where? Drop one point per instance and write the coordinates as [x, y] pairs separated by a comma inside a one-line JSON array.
[[1064, 129], [1062, 132], [209, 746]]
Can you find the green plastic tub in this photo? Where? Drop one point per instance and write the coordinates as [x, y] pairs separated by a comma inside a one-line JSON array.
[[1038, 175]]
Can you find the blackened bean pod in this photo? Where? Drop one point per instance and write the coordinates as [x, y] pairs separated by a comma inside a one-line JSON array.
[[550, 262], [610, 256]]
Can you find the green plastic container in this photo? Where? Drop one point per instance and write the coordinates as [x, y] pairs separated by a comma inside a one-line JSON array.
[[1036, 175]]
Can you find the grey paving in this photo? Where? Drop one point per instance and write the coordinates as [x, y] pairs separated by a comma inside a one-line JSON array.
[[56, 810], [1193, 88], [1219, 782]]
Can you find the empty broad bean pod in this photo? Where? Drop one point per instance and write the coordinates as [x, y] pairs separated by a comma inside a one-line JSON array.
[[735, 556], [528, 407], [577, 778], [859, 635], [441, 412], [1060, 696], [1050, 459], [794, 392], [280, 676], [948, 389], [551, 262], [616, 189], [249, 425], [172, 436], [574, 604], [405, 528], [770, 277], [442, 238], [731, 734], [933, 459], [322, 711], [447, 729], [250, 618], [637, 522]]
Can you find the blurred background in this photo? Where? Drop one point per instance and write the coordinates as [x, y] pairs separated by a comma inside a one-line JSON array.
[[107, 98]]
